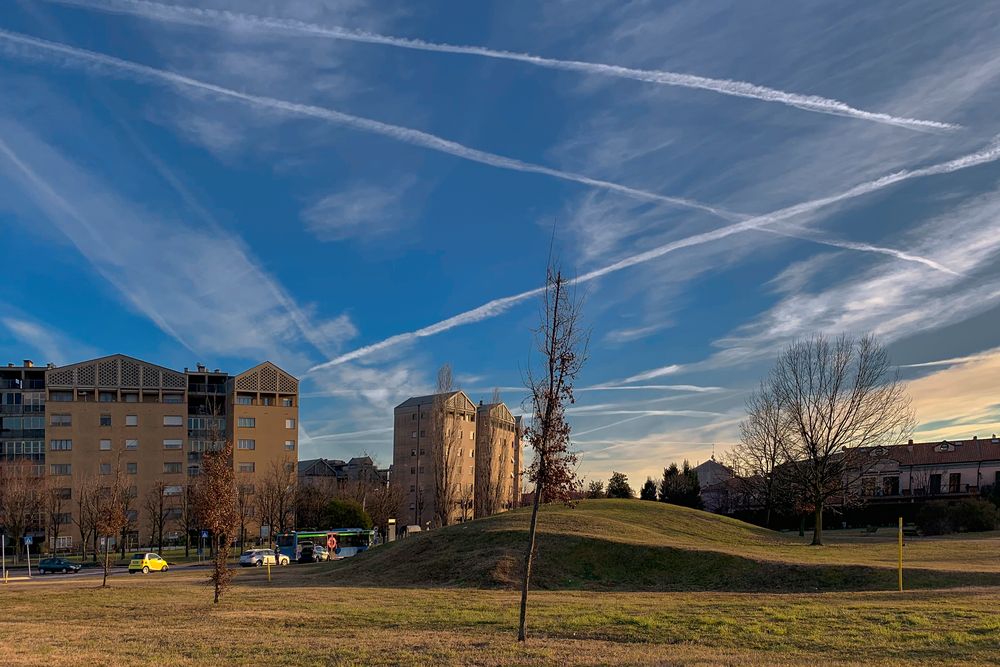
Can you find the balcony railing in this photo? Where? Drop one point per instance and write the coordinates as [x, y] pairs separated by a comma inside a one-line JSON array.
[[924, 491], [202, 388]]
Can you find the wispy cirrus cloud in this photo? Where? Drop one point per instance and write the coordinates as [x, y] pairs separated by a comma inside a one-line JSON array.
[[54, 345], [217, 18], [360, 211]]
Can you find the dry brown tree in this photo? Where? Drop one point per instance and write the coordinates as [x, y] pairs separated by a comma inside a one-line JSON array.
[[187, 512], [445, 445], [245, 502], [21, 499], [57, 504], [85, 516], [563, 346], [841, 397], [216, 503], [275, 496], [157, 510], [111, 513]]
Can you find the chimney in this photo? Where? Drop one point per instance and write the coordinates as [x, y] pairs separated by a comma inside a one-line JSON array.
[[480, 402], [910, 441], [10, 365], [975, 437], [28, 363]]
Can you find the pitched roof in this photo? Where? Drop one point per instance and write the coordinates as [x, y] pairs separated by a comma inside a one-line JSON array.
[[414, 401], [941, 453]]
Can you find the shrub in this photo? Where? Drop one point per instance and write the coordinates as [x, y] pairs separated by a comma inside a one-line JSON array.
[[346, 514], [941, 517]]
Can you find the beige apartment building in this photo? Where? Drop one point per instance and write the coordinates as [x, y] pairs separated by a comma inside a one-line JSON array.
[[155, 424], [430, 432]]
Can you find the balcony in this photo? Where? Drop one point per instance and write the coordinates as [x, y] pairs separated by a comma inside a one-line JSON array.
[[202, 388]]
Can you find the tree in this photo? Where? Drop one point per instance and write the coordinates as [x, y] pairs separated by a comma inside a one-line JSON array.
[[111, 513], [154, 504], [841, 397], [244, 509], [21, 500], [187, 510], [444, 448], [312, 495], [493, 465], [216, 501], [648, 491], [276, 497], [56, 503], [563, 345], [758, 457], [618, 486], [596, 489], [346, 514], [86, 517], [679, 486]]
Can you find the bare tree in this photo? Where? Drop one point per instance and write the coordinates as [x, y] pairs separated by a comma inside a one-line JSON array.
[[494, 482], [563, 346], [757, 459], [21, 500], [110, 513], [157, 510], [244, 509], [276, 496], [445, 448], [85, 517], [56, 505], [216, 502], [382, 504], [312, 496], [187, 512], [841, 397]]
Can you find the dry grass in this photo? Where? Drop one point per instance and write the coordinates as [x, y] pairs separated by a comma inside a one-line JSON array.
[[169, 620]]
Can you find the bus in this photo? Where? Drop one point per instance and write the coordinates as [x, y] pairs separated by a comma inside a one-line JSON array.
[[348, 541]]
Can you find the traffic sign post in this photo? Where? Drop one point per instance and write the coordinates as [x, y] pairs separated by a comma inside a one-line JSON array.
[[3, 553], [28, 539]]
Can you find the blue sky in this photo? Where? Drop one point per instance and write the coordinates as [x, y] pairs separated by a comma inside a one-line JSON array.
[[225, 182]]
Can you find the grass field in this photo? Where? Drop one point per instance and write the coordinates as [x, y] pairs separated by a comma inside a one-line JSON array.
[[707, 600]]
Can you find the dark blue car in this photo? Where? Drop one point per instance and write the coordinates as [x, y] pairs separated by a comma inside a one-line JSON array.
[[57, 565]]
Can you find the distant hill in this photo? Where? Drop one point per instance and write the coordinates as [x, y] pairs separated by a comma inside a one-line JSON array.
[[624, 545]]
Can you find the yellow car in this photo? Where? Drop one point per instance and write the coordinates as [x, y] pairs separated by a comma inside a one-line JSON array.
[[146, 562]]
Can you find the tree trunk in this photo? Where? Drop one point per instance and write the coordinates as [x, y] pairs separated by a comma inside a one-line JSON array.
[[107, 561], [802, 525], [818, 527], [522, 626]]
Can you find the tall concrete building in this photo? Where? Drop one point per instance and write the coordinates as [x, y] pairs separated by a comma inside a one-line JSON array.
[[429, 433], [155, 424], [441, 432]]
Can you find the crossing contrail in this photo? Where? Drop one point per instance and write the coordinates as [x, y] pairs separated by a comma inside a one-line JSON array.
[[213, 17], [422, 139], [497, 306]]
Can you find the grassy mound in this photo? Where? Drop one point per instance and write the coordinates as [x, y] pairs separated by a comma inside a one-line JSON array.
[[625, 545]]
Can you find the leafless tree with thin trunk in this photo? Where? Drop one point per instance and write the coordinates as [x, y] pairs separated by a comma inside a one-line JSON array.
[[110, 513], [157, 511], [445, 445], [85, 517], [216, 502], [21, 500], [278, 490], [56, 505], [841, 396], [131, 518], [563, 346], [187, 512], [244, 509], [312, 496], [757, 459]]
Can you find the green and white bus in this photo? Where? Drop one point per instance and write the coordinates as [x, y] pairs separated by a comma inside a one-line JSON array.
[[341, 542]]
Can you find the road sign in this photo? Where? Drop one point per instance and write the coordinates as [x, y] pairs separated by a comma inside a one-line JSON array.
[[204, 534], [29, 539]]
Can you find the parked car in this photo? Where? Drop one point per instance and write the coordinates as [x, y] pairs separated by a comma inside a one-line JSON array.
[[261, 557], [57, 565], [320, 553], [146, 563], [306, 554]]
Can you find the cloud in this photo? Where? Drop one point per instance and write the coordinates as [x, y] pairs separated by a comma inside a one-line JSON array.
[[210, 17], [960, 401], [54, 346], [166, 269], [697, 389], [498, 306], [361, 211], [954, 361]]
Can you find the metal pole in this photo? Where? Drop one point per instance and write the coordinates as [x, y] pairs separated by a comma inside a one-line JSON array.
[[900, 554], [3, 555], [27, 547]]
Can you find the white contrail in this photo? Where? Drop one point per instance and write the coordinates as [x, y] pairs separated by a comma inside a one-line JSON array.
[[423, 139], [404, 134], [693, 388], [212, 17], [948, 362], [498, 306]]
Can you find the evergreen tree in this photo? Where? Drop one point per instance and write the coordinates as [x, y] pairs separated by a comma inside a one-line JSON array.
[[648, 491], [618, 486]]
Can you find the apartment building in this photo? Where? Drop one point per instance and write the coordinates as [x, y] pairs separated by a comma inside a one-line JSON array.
[[430, 432], [22, 424], [153, 423], [497, 459]]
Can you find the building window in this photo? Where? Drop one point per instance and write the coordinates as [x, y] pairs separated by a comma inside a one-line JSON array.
[[289, 423], [423, 433], [64, 493], [131, 397], [105, 420], [413, 435], [172, 490], [61, 396], [194, 470], [61, 469], [414, 416], [413, 471], [173, 444], [244, 400], [935, 484], [413, 452], [247, 422], [173, 398], [60, 445], [290, 445], [413, 489], [107, 397], [472, 435], [287, 403], [64, 542], [105, 468], [246, 444], [105, 445], [172, 468], [173, 420], [472, 453], [61, 420], [247, 466], [131, 444], [131, 420], [132, 468], [267, 400], [954, 482]]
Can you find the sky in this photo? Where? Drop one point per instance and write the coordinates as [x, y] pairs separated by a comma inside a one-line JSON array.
[[362, 192]]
